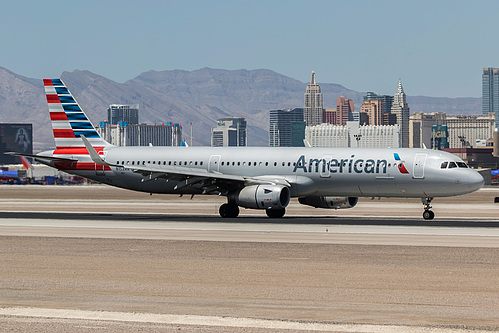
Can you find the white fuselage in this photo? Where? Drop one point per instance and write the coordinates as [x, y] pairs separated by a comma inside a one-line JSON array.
[[359, 172]]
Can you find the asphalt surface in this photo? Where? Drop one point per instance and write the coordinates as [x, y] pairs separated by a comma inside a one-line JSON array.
[[102, 259], [209, 219]]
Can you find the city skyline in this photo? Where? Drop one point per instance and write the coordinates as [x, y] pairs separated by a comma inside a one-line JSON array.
[[436, 48]]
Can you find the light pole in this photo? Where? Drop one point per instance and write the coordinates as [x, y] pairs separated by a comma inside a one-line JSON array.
[[190, 122], [357, 138], [462, 138]]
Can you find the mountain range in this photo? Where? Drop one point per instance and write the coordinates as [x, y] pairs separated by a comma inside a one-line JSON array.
[[201, 97]]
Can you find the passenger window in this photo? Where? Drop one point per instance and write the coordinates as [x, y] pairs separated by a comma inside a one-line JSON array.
[[201, 163], [133, 162], [238, 163], [169, 162], [266, 163], [452, 165], [462, 165], [443, 165], [275, 163], [195, 163]]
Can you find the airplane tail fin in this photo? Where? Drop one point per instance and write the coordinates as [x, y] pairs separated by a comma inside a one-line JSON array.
[[69, 121], [26, 164]]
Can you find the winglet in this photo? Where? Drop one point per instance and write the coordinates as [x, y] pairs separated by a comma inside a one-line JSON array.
[[93, 153]]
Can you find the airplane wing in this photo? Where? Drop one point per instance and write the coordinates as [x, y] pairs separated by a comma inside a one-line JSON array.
[[208, 182]]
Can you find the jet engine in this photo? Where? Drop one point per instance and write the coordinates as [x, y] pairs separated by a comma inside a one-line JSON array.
[[262, 197], [329, 202]]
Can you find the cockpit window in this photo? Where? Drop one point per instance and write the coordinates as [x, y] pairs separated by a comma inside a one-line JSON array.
[[462, 165], [452, 165], [444, 165]]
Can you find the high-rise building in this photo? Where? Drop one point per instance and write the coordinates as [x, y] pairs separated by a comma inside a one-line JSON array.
[[124, 134], [344, 109], [465, 130], [353, 135], [329, 116], [230, 131], [286, 128], [421, 129], [119, 112], [313, 103], [490, 92], [374, 109], [400, 109], [386, 104]]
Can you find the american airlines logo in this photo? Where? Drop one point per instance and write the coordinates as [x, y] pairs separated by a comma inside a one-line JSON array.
[[401, 165], [346, 165]]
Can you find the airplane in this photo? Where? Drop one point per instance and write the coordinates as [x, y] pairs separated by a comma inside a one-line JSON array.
[[14, 174], [494, 174], [252, 177]]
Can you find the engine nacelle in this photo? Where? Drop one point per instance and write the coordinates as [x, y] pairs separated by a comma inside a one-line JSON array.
[[262, 197], [329, 202]]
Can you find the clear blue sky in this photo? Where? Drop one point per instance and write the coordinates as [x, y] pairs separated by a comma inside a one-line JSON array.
[[437, 48]]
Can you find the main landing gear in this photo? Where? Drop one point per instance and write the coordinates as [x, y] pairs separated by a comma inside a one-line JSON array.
[[428, 213], [275, 213], [231, 210]]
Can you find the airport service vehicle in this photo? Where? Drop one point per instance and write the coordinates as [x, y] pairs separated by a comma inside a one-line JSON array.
[[251, 177]]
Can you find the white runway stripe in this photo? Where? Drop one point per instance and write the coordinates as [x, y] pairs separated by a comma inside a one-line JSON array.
[[174, 319]]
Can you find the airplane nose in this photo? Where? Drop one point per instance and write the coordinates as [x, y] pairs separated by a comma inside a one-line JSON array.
[[474, 180]]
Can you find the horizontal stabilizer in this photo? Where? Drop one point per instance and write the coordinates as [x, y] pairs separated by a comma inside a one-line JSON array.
[[42, 157]]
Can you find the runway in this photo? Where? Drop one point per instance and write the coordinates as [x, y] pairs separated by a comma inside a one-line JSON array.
[[81, 259], [379, 231]]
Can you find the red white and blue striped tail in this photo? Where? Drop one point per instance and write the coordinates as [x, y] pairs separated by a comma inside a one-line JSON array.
[[68, 119]]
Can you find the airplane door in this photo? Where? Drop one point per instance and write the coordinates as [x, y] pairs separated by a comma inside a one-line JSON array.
[[214, 163], [419, 163]]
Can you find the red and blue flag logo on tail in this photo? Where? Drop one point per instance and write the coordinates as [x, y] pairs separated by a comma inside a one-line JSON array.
[[69, 121]]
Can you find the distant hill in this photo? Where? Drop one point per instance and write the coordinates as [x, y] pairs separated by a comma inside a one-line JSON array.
[[201, 96]]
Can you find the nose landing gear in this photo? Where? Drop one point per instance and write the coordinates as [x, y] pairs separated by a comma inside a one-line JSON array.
[[428, 213]]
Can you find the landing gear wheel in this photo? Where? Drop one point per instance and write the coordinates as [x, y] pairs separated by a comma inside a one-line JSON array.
[[428, 215], [275, 213], [229, 210]]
